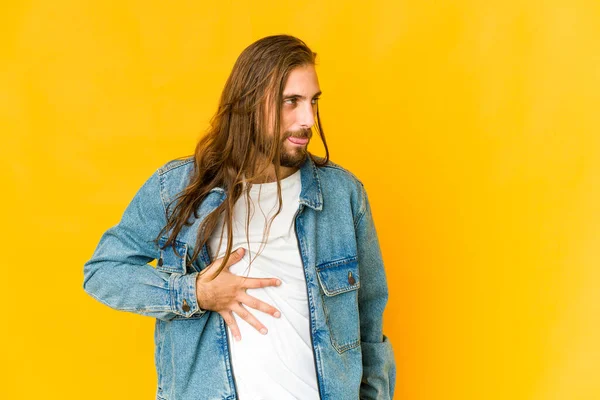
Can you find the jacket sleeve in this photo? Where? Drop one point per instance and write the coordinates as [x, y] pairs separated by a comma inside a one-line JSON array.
[[379, 367], [118, 274]]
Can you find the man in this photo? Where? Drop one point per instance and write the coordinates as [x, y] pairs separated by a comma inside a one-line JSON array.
[[269, 281]]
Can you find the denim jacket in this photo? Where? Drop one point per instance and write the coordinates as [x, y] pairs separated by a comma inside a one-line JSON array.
[[345, 279]]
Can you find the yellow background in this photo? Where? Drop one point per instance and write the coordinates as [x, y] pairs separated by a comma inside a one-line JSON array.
[[473, 125]]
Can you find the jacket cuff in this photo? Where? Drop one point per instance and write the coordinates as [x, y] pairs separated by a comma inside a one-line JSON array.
[[183, 294], [379, 370]]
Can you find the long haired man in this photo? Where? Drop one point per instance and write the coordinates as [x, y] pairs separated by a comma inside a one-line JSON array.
[[269, 281]]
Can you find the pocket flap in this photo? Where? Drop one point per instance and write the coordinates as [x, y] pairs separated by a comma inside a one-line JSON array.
[[339, 276], [169, 260]]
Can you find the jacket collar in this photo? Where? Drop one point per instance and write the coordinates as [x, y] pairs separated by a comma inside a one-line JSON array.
[[310, 194]]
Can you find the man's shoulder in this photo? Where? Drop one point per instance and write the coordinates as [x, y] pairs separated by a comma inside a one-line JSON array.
[[339, 184], [173, 176], [336, 172], [178, 165]]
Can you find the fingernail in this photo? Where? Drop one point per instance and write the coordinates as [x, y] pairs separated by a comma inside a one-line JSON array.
[[237, 338], [277, 314], [263, 331], [278, 282]]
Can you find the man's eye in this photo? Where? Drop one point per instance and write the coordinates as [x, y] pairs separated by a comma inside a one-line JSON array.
[[315, 100], [291, 101]]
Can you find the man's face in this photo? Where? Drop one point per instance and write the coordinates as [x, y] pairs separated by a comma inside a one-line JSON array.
[[300, 97]]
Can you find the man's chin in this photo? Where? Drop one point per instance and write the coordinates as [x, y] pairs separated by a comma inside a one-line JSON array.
[[294, 160]]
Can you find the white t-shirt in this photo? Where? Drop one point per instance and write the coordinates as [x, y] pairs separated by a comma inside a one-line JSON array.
[[279, 365]]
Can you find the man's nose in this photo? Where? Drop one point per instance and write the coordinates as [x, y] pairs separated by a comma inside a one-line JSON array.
[[307, 116]]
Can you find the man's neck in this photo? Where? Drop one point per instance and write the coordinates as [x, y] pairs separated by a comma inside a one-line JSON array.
[[269, 174]]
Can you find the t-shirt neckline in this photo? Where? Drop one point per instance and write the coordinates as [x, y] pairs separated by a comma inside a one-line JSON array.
[[272, 186]]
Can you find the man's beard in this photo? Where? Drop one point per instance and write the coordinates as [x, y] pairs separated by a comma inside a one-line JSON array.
[[294, 158]]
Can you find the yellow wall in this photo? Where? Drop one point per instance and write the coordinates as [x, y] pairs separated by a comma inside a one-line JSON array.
[[473, 124]]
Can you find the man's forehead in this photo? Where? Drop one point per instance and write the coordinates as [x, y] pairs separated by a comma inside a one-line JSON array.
[[302, 81]]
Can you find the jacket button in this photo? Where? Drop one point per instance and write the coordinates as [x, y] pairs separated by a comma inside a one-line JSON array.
[[185, 306], [160, 262], [351, 279]]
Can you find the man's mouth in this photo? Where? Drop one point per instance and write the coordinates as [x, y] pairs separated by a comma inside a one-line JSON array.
[[297, 140]]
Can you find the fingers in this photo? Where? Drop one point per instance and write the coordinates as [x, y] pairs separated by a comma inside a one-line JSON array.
[[233, 326], [257, 304], [235, 257], [249, 318], [244, 314], [255, 283]]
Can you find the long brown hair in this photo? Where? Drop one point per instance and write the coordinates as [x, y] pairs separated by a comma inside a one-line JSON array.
[[236, 150]]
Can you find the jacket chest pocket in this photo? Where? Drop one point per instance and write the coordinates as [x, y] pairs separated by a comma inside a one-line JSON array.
[[340, 282]]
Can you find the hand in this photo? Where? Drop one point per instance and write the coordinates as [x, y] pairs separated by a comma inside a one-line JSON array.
[[226, 294]]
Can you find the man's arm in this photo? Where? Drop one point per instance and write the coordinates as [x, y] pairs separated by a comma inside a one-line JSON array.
[[379, 367], [118, 274]]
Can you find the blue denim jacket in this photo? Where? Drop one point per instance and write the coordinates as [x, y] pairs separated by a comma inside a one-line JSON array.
[[346, 287]]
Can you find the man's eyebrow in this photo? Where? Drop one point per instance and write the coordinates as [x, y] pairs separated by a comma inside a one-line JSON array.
[[297, 96]]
